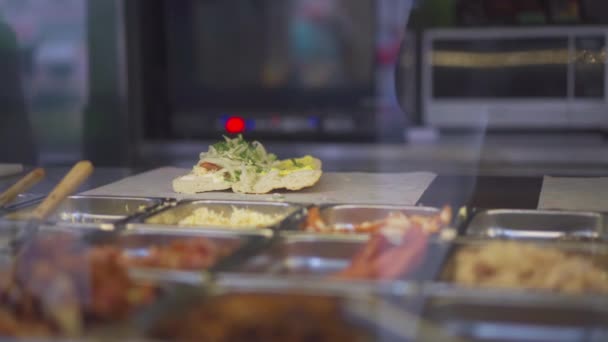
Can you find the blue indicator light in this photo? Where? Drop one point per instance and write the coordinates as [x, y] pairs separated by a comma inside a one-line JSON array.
[[250, 124], [314, 122]]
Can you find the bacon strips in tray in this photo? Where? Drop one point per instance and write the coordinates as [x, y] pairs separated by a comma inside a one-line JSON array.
[[382, 259], [395, 220], [192, 253]]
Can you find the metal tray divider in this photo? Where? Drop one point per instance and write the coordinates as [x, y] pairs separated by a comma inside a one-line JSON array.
[[117, 225], [471, 213], [321, 207], [602, 230], [16, 207], [293, 221], [37, 198], [294, 224], [158, 210], [447, 252], [250, 248], [141, 219], [462, 221], [121, 225]]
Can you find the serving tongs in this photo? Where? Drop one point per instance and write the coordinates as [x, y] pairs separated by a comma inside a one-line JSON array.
[[70, 182], [21, 186]]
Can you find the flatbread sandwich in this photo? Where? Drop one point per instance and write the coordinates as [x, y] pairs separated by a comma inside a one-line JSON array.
[[246, 167]]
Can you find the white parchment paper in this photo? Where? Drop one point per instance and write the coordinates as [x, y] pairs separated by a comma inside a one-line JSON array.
[[570, 193], [370, 188]]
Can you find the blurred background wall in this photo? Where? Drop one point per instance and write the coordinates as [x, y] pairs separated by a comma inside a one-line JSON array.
[[52, 46]]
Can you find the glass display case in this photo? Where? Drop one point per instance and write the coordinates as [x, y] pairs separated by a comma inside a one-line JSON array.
[[304, 170]]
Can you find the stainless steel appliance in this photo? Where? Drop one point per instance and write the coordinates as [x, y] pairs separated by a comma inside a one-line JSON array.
[[303, 69], [516, 78]]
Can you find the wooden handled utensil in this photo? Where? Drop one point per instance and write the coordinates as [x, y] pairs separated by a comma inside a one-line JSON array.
[[67, 316], [70, 182], [21, 186], [77, 175]]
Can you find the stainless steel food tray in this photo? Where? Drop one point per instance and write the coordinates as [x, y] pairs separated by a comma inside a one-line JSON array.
[[349, 215], [535, 224], [597, 252], [486, 315], [10, 231], [106, 212], [168, 218], [135, 244], [169, 280], [21, 200], [138, 243], [380, 316], [305, 256]]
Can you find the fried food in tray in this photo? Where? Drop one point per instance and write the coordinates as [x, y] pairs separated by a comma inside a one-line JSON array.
[[57, 286], [187, 253], [519, 265], [60, 285], [383, 258], [394, 220], [261, 317]]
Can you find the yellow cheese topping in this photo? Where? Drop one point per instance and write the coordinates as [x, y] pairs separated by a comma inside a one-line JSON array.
[[288, 166]]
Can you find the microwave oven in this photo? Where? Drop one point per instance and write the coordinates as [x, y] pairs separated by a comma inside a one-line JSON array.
[[551, 78]]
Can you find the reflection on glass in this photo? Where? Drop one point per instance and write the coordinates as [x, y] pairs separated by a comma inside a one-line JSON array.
[[51, 38], [297, 43]]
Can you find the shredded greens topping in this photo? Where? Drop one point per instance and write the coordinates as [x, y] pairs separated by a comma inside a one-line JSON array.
[[239, 159]]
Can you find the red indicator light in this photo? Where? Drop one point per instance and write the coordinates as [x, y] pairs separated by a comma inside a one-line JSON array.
[[235, 124]]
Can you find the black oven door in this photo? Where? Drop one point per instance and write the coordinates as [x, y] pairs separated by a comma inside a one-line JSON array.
[[297, 68]]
